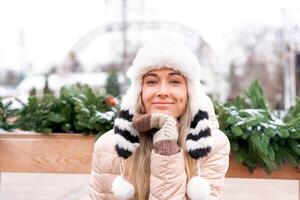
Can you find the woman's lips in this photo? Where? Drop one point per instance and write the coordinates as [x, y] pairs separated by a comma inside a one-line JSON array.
[[162, 102], [162, 105]]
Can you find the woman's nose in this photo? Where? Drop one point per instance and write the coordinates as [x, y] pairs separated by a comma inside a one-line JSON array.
[[163, 90]]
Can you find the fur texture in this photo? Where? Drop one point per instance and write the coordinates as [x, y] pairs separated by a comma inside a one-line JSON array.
[[198, 188], [122, 188]]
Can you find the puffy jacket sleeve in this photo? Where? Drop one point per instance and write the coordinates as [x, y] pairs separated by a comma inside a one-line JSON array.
[[215, 166], [104, 168], [168, 177]]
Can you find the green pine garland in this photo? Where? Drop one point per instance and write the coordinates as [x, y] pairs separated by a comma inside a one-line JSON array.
[[6, 113], [76, 110], [258, 136]]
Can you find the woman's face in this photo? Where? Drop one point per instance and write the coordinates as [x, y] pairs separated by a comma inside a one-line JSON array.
[[164, 91]]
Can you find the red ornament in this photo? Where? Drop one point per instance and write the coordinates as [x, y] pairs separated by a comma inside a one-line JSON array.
[[112, 101]]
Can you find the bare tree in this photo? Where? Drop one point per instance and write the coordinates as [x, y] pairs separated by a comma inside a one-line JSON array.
[[259, 58]]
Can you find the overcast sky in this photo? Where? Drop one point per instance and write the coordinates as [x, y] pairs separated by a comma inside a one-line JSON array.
[[51, 28]]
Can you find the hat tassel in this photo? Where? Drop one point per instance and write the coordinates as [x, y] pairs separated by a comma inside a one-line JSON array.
[[198, 188], [121, 188]]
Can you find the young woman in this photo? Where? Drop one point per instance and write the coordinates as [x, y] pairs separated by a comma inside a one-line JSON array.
[[166, 143]]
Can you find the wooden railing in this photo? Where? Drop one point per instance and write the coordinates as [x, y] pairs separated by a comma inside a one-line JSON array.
[[72, 153]]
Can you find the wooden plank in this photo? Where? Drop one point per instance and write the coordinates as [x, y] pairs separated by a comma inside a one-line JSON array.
[[72, 153], [57, 153]]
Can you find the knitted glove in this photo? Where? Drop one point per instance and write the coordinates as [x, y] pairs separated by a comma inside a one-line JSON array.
[[166, 124], [165, 139]]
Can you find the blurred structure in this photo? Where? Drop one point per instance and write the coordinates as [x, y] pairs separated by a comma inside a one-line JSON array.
[[289, 76], [9, 79], [128, 27], [71, 64], [297, 64], [288, 44]]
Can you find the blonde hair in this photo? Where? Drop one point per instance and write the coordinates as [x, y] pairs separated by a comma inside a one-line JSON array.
[[141, 158]]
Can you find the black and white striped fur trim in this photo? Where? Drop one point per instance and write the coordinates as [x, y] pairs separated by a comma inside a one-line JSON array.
[[198, 139], [127, 138]]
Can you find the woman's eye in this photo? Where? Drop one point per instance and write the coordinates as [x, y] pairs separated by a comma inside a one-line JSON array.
[[175, 82], [151, 82]]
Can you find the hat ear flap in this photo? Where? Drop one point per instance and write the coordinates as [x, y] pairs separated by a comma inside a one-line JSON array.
[[198, 144], [198, 139], [126, 142], [127, 138]]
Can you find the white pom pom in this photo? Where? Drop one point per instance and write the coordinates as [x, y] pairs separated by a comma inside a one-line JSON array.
[[198, 188], [122, 188]]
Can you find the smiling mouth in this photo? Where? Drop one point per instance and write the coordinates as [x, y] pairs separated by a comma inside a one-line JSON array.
[[162, 102], [162, 105]]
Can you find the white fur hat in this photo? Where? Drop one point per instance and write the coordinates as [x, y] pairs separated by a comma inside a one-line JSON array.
[[172, 54]]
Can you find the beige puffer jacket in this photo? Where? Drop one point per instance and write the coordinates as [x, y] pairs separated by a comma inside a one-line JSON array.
[[168, 177]]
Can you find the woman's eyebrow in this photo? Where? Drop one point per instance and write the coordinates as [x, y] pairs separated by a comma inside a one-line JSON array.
[[150, 74], [155, 75], [175, 73]]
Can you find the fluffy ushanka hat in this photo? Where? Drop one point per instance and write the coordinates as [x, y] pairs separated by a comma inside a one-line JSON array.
[[157, 54]]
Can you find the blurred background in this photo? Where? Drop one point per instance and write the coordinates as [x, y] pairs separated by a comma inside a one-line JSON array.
[[45, 45], [65, 42]]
